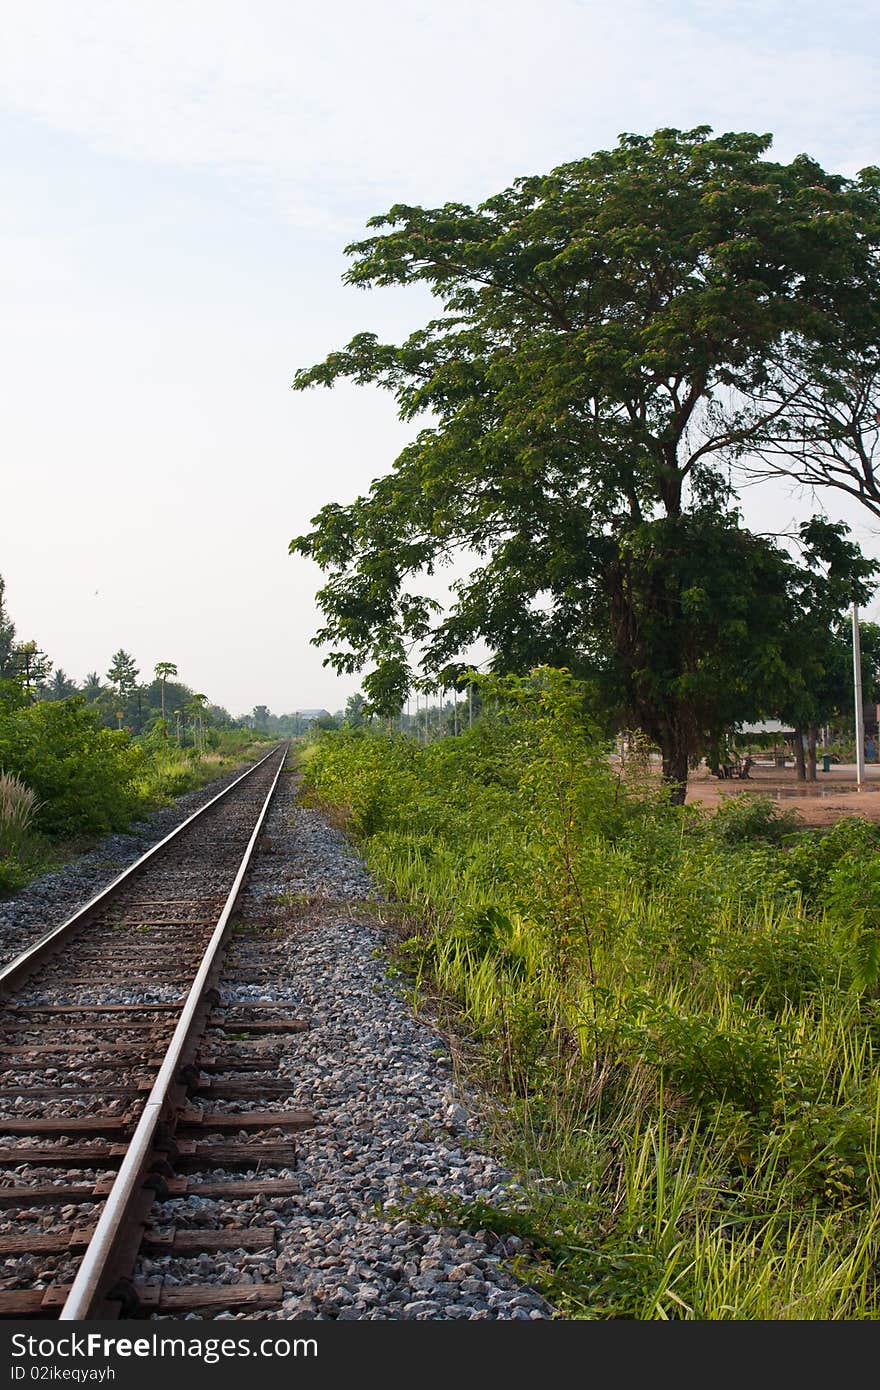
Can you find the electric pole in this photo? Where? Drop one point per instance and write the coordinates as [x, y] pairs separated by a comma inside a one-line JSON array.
[[860, 709]]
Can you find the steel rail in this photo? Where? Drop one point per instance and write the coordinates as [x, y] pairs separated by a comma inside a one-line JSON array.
[[23, 963], [87, 1291]]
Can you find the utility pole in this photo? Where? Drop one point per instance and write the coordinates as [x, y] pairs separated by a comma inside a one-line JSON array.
[[30, 654], [860, 709]]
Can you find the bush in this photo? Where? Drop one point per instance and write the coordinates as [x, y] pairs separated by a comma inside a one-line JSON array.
[[82, 773], [827, 1148], [13, 874], [813, 855], [749, 817], [707, 1061]]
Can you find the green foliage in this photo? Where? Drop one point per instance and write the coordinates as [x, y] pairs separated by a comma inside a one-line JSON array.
[[90, 780], [13, 873], [123, 673], [679, 1011], [81, 776], [18, 807], [811, 859], [853, 898], [81, 773], [827, 1150], [606, 336], [706, 1061], [169, 772], [781, 964], [749, 817]]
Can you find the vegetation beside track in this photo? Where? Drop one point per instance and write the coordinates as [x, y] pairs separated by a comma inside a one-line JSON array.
[[65, 779], [679, 1011]]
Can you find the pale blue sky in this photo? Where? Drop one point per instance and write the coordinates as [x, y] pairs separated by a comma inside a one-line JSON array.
[[180, 180]]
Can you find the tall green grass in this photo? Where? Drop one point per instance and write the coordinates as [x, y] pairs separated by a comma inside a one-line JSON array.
[[679, 1014], [18, 807]]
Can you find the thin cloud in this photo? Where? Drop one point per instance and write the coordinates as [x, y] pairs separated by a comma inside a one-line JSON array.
[[348, 105]]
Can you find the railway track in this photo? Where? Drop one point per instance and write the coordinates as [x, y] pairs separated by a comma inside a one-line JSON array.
[[127, 1078]]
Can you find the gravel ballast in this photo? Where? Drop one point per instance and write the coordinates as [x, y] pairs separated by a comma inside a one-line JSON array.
[[51, 898], [391, 1119]]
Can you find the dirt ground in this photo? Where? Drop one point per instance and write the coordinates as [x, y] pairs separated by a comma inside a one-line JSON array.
[[833, 795]]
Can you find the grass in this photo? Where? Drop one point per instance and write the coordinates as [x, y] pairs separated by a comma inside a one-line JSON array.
[[18, 807], [677, 1015], [171, 772]]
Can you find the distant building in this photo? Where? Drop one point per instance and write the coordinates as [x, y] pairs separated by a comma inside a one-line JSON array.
[[766, 726], [310, 716]]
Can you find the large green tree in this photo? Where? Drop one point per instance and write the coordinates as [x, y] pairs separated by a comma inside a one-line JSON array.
[[606, 335]]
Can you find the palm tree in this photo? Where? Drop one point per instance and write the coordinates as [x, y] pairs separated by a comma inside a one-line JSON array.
[[196, 708], [163, 670], [61, 687], [92, 687]]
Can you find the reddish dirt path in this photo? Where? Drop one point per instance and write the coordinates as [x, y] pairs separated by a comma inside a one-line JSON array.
[[831, 797]]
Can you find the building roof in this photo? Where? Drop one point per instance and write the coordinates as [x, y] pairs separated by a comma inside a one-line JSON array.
[[764, 726]]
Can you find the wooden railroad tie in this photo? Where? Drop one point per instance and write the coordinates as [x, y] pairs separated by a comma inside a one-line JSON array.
[[78, 1194], [122, 1124], [177, 1242], [151, 1298], [255, 1087], [189, 1154]]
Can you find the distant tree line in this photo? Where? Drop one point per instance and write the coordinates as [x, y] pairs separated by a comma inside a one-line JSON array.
[[162, 704], [119, 697], [292, 725]]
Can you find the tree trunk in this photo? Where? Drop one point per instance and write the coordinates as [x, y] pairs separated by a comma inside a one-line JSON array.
[[675, 767], [812, 737], [799, 754]]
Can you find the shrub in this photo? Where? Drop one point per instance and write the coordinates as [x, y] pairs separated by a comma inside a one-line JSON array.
[[708, 1061], [82, 773], [13, 874], [827, 1151], [813, 855], [852, 896], [749, 817]]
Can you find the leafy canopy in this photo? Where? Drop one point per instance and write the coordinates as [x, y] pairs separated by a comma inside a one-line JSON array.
[[607, 334]]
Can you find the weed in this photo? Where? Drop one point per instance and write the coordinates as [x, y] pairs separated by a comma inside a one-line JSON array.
[[677, 1013]]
